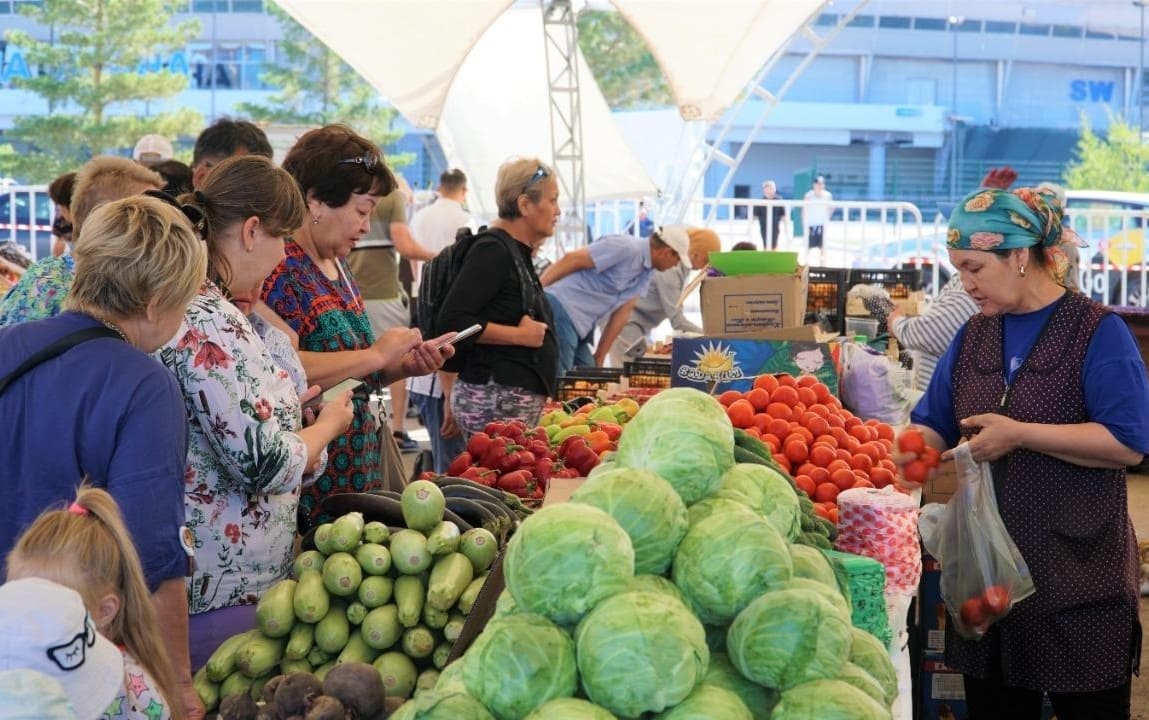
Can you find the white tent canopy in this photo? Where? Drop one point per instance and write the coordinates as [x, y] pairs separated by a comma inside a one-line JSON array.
[[475, 72]]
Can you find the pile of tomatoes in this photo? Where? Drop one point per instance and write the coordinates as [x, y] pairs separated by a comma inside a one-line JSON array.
[[824, 446]]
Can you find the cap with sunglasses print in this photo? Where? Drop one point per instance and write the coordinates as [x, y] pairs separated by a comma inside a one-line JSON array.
[[47, 630]]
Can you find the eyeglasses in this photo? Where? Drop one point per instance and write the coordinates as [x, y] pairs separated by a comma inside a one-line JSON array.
[[369, 162], [539, 175]]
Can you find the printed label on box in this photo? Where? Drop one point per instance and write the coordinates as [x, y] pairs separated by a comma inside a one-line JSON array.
[[758, 311], [715, 365], [947, 686]]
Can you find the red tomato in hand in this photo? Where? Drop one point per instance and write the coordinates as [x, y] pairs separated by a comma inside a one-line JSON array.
[[972, 613], [995, 601]]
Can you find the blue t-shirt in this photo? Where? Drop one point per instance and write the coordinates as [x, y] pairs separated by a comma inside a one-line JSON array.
[[622, 268], [1112, 361], [102, 409]]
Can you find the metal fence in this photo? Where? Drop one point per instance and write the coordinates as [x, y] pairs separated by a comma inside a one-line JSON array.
[[26, 215]]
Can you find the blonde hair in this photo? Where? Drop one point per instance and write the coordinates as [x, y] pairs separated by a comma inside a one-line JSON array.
[[88, 548], [518, 177], [105, 178], [138, 248]]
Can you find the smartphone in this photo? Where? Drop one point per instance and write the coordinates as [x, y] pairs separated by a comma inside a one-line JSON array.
[[332, 393], [462, 335]]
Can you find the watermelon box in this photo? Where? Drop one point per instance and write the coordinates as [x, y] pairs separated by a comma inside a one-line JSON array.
[[717, 364]]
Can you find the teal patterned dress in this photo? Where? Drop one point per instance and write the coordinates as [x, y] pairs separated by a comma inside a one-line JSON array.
[[328, 316]]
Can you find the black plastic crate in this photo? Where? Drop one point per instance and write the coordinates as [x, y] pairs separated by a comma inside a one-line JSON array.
[[583, 381], [826, 297], [899, 283], [648, 372]]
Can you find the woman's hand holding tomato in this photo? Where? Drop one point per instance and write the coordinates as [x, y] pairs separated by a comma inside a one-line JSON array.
[[915, 457]]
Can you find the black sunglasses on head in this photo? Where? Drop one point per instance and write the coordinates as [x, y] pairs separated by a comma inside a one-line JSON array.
[[369, 162], [539, 175]]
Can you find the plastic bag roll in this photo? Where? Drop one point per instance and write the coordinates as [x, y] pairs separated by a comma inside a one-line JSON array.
[[883, 525]]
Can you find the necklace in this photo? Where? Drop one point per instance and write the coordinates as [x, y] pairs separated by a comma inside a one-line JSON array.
[[114, 329]]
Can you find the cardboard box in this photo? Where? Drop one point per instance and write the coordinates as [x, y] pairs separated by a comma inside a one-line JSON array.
[[942, 692], [559, 490], [932, 617], [736, 305], [941, 487], [717, 364]]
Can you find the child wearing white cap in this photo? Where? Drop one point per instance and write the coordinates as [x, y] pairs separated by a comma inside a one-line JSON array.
[[86, 548], [51, 643]]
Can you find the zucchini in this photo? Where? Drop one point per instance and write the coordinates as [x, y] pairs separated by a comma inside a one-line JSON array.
[[418, 642], [470, 594], [381, 628], [449, 578], [409, 597], [299, 642], [221, 663], [275, 614], [422, 503]]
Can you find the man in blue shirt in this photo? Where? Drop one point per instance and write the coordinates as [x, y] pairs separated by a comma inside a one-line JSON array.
[[605, 278]]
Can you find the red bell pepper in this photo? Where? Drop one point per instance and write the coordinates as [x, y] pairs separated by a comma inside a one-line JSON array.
[[460, 464], [495, 452], [612, 430], [495, 428], [519, 482], [478, 444], [481, 475]]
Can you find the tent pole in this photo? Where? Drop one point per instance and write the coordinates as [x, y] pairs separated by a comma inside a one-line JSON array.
[[561, 48]]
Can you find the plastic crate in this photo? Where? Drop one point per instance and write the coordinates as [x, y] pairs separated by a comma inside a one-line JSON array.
[[587, 382], [826, 297], [899, 283], [648, 372]]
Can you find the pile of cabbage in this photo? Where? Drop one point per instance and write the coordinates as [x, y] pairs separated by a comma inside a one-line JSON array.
[[668, 587]]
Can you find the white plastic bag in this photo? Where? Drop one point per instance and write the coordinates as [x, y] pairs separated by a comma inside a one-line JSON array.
[[872, 386], [983, 574]]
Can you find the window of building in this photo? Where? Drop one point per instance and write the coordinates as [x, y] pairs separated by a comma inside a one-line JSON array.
[[923, 23], [827, 19], [998, 26], [5, 7], [862, 21], [895, 22], [1095, 35], [970, 26], [1067, 31], [1037, 29], [233, 66]]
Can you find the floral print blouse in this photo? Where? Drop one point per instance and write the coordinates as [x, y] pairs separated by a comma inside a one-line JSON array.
[[245, 461], [40, 292]]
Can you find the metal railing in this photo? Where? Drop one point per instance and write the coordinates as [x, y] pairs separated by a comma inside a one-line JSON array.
[[26, 215]]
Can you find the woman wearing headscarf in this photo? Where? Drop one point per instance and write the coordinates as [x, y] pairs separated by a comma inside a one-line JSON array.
[[1048, 387]]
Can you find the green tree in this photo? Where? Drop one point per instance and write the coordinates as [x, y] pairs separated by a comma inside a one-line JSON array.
[[626, 71], [94, 64], [317, 87], [1118, 161]]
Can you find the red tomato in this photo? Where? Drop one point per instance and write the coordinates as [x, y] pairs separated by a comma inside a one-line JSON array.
[[972, 613], [911, 441], [995, 601]]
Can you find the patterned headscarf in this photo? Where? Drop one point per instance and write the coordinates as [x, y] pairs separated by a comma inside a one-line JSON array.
[[995, 219]]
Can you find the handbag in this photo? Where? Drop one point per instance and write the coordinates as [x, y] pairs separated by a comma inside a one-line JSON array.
[[983, 574], [59, 347]]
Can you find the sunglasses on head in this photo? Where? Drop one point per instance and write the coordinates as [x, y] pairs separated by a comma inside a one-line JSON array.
[[539, 175], [369, 162]]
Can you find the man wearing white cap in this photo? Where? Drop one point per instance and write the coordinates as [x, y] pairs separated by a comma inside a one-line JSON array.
[[48, 632], [605, 278], [152, 150]]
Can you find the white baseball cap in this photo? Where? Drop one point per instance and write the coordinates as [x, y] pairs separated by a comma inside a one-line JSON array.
[[678, 238], [47, 629], [151, 149], [31, 695]]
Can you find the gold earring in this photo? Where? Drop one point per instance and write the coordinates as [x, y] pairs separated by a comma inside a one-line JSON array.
[[314, 219]]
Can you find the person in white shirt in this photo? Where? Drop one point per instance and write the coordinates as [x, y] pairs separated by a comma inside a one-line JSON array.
[[817, 216], [434, 228]]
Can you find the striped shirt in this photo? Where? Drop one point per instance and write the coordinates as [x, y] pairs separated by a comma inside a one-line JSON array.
[[928, 335]]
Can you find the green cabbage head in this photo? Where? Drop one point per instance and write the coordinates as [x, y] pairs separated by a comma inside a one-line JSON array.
[[868, 653], [708, 702], [812, 563], [767, 492], [788, 637], [570, 709], [828, 700], [640, 652], [442, 705], [657, 583], [829, 593], [713, 505], [757, 699], [727, 560], [564, 559], [646, 507], [851, 674], [683, 436], [518, 663]]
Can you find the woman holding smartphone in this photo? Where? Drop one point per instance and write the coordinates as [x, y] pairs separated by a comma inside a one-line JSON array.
[[248, 453], [509, 369]]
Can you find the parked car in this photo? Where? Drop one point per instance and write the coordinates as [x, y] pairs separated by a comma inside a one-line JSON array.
[[26, 215]]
